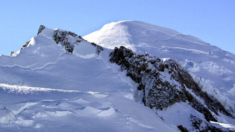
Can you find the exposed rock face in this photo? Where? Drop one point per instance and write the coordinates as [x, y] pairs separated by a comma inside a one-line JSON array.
[[25, 45], [12, 52], [69, 39], [200, 125], [99, 48], [65, 38], [182, 129], [41, 28], [164, 83]]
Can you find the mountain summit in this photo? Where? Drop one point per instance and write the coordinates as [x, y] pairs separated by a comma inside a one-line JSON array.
[[136, 34], [58, 81], [212, 68]]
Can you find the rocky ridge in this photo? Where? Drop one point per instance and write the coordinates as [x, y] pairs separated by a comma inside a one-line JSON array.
[[163, 83], [66, 39]]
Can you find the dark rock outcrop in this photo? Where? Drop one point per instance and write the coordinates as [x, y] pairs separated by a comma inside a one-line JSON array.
[[40, 29], [98, 48], [182, 129], [64, 38], [25, 45], [202, 126], [12, 52], [165, 82]]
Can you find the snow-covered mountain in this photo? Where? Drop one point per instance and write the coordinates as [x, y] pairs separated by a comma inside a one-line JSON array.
[[60, 82], [212, 68]]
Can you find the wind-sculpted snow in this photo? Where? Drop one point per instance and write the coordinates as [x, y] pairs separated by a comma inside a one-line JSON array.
[[209, 64], [55, 111]]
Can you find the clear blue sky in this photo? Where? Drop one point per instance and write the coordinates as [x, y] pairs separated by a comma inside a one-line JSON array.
[[211, 21]]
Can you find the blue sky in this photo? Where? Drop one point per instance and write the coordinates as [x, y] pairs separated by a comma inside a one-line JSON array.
[[211, 21]]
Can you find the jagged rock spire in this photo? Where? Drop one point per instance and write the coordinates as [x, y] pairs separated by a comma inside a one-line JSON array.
[[41, 28]]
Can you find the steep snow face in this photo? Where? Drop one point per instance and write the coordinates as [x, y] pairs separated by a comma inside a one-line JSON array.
[[210, 66]]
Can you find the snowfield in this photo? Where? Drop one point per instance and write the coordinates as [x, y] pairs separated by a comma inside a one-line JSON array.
[[66, 110], [46, 87]]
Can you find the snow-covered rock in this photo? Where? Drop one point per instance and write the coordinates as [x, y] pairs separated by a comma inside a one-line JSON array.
[[209, 65], [163, 83]]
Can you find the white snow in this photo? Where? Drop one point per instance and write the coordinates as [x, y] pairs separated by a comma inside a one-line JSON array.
[[107, 112], [45, 89], [201, 59], [232, 127], [232, 90]]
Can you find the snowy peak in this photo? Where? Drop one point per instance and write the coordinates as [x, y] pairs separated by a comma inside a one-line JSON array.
[[132, 34], [212, 68], [66, 39], [59, 74]]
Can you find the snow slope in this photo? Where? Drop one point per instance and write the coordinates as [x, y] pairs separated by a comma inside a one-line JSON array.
[[65, 110], [210, 66], [43, 88], [46, 86]]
